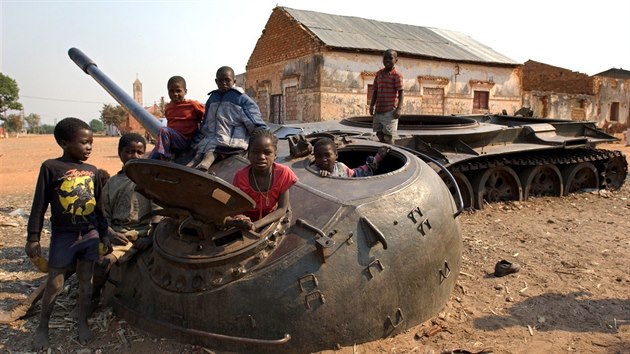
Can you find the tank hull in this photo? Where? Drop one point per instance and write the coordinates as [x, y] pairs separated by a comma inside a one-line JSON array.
[[504, 158]]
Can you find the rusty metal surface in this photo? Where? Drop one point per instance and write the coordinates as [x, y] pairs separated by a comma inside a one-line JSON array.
[[207, 198]]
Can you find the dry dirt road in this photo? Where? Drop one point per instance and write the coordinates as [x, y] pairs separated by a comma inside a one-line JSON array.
[[572, 294]]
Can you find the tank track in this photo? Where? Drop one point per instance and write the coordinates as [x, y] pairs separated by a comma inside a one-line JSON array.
[[555, 157]]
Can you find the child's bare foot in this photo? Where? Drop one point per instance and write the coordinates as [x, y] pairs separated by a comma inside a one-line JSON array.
[[195, 160], [85, 333], [206, 162], [40, 339]]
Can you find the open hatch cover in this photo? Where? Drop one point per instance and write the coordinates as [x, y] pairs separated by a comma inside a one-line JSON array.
[[208, 198]]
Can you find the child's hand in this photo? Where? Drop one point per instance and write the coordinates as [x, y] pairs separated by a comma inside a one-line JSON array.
[[107, 243], [324, 173], [383, 151], [118, 239], [33, 249], [240, 221]]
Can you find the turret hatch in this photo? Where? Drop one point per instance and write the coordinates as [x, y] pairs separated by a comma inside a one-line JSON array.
[[206, 198]]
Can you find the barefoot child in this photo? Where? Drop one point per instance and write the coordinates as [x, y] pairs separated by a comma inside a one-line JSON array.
[[265, 181], [72, 189], [129, 214], [183, 118], [327, 165]]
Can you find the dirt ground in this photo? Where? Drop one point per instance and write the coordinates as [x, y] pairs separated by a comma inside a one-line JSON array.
[[572, 293]]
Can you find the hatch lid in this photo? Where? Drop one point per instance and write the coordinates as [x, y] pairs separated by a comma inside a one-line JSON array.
[[208, 198]]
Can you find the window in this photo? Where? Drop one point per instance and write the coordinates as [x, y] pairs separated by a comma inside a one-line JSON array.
[[370, 91], [614, 112], [480, 100]]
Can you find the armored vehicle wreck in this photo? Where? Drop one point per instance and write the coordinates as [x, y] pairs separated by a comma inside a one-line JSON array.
[[354, 261], [500, 158]]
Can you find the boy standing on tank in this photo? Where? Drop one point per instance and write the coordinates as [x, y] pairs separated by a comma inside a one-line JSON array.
[[72, 189], [231, 116], [387, 99], [183, 118], [129, 214]]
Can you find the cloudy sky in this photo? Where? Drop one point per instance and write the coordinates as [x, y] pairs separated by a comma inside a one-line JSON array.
[[153, 40]]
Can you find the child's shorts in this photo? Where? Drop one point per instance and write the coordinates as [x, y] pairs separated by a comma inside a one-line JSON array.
[[385, 122], [68, 247]]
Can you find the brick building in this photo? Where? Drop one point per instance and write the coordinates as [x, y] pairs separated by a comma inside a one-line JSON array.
[[554, 92], [310, 66]]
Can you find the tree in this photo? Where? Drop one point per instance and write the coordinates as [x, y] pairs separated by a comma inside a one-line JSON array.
[[46, 129], [111, 114], [97, 125], [33, 121], [9, 96], [14, 123]]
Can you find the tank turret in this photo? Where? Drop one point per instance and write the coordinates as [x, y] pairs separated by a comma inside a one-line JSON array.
[[354, 260]]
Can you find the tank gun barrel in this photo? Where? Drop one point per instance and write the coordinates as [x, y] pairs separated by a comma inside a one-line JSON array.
[[149, 122]]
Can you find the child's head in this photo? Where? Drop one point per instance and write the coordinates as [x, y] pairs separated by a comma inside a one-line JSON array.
[[225, 78], [131, 146], [262, 151], [390, 58], [325, 153], [75, 138], [176, 88]]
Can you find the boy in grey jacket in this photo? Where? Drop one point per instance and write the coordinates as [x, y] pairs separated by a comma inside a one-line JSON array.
[[229, 119]]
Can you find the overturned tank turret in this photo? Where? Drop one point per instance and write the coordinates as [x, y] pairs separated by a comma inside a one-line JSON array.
[[354, 260]]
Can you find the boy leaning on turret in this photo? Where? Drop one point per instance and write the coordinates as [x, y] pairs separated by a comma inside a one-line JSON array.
[[72, 189], [231, 116], [129, 214], [387, 99]]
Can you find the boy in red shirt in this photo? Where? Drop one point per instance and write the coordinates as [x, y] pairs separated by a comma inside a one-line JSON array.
[[183, 118], [387, 99]]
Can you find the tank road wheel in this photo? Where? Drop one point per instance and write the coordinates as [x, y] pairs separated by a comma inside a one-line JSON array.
[[496, 184], [541, 180], [615, 172], [580, 176], [465, 188]]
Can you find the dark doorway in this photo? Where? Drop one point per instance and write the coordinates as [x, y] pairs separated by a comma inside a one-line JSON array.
[[277, 112]]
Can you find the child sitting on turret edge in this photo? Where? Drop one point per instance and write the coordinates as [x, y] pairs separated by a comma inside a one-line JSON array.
[[129, 214], [266, 181], [72, 189], [231, 116], [327, 165], [183, 118]]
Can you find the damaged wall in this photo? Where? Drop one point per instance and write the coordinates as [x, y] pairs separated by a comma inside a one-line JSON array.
[[609, 92], [335, 85], [553, 92]]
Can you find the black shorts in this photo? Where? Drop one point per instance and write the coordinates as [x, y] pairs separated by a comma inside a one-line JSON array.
[[68, 247]]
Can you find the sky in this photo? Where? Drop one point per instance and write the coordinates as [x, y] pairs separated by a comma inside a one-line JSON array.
[[154, 40]]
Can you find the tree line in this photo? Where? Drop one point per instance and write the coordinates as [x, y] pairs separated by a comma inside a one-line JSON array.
[[14, 122]]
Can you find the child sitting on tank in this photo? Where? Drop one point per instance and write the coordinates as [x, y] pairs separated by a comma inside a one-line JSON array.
[[265, 181], [129, 214], [326, 163], [72, 189], [231, 116], [183, 119]]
